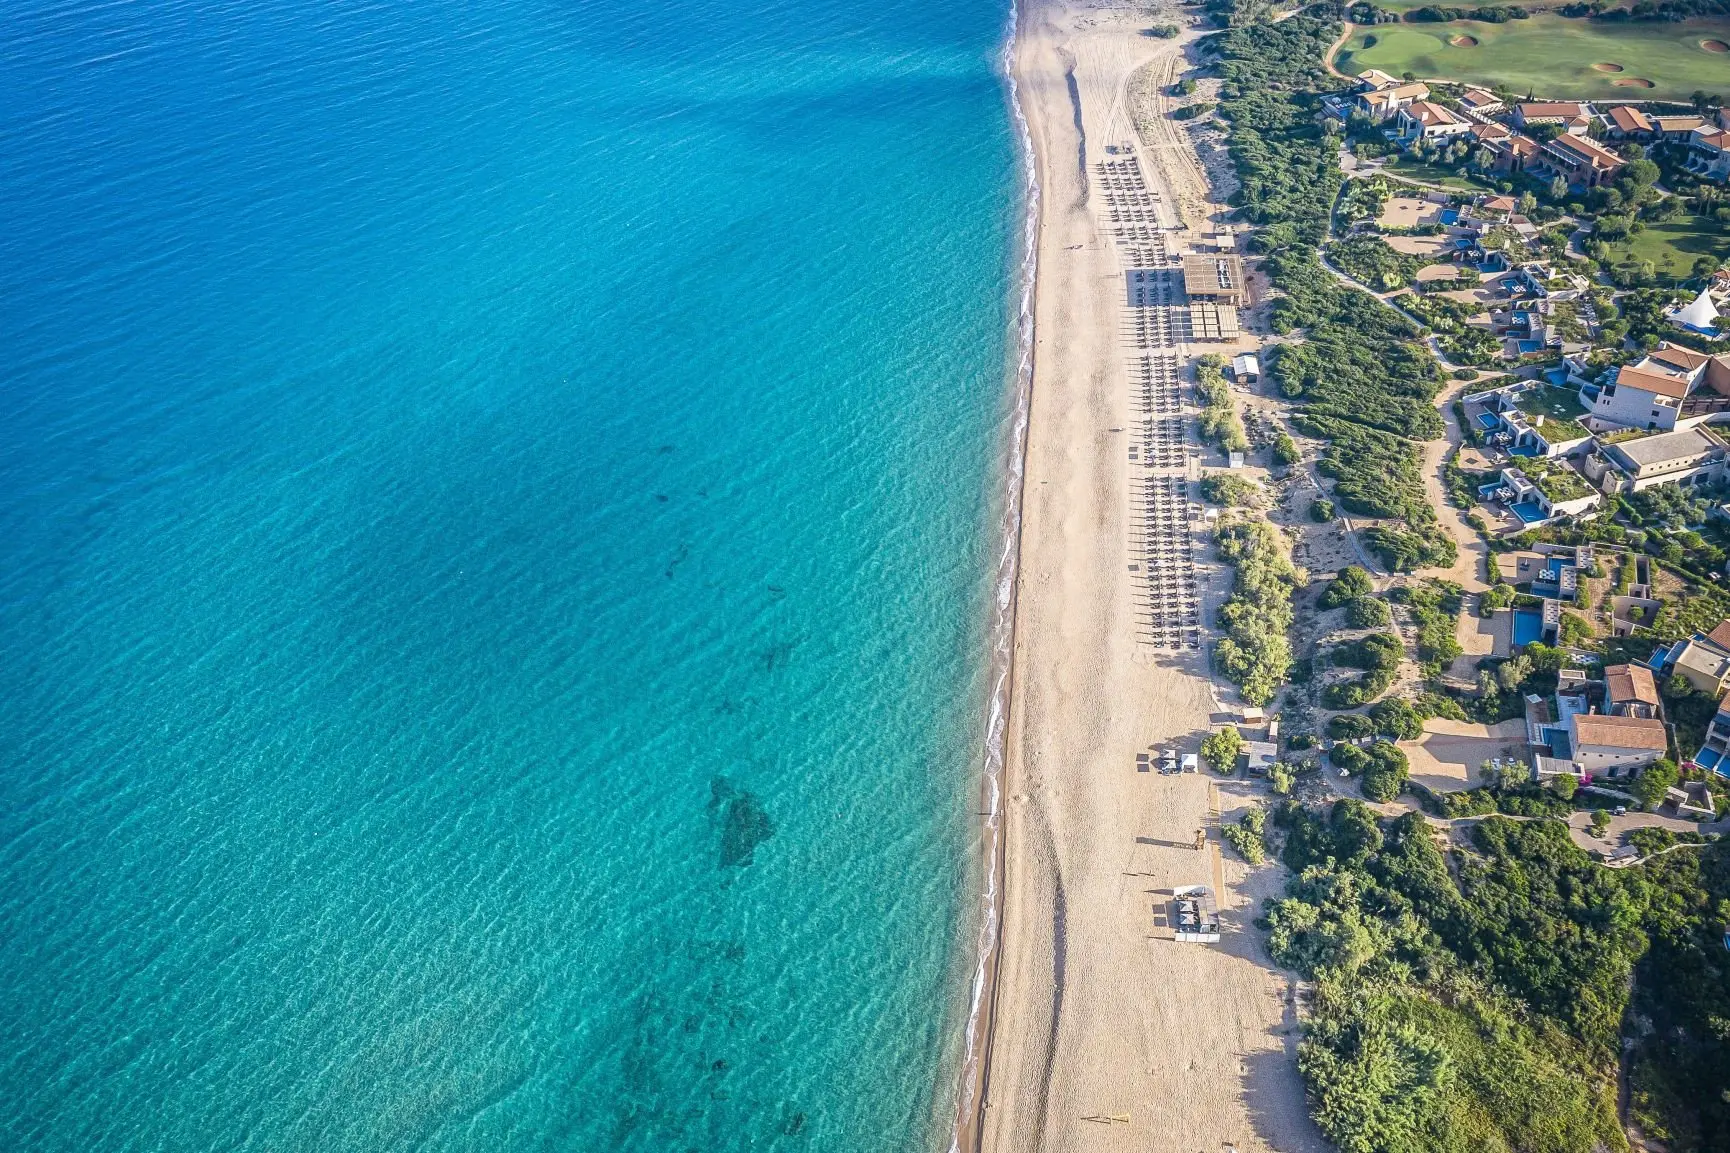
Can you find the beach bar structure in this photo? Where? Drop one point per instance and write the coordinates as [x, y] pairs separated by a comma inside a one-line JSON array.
[[1209, 321], [1216, 277], [1194, 915]]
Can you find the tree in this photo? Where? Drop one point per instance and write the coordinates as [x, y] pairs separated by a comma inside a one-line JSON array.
[[1220, 750], [1322, 510], [1497, 596], [1385, 775], [1564, 785], [1528, 202], [1281, 777], [1559, 189], [1600, 823], [1514, 672], [1641, 173], [1659, 776], [1366, 612], [1352, 582]]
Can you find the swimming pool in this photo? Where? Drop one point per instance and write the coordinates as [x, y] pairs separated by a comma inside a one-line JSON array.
[[1489, 420], [1527, 510], [1528, 626]]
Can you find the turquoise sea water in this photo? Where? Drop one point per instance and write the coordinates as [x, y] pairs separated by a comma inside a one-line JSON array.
[[497, 511]]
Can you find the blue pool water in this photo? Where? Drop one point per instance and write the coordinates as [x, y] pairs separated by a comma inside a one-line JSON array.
[[497, 521], [1527, 511], [1489, 420], [1528, 626]]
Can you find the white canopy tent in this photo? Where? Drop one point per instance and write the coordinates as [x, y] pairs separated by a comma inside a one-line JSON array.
[[1701, 314]]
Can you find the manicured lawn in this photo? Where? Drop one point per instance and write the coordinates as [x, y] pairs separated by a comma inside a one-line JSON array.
[[1680, 242], [1435, 174], [1552, 56]]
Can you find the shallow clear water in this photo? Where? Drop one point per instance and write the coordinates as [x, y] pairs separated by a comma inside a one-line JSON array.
[[496, 511]]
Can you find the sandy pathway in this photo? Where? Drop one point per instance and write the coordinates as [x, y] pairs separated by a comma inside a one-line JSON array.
[[1109, 1035]]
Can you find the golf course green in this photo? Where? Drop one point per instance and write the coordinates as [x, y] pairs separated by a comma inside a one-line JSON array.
[[1553, 56]]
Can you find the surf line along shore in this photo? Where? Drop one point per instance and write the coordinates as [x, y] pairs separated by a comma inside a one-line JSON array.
[[1087, 1028]]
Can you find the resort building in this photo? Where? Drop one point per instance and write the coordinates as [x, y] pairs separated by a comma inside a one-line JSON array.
[[1536, 500], [1703, 660], [1570, 739], [1640, 395], [1671, 384], [1245, 369], [1676, 128], [1481, 102], [1581, 161], [1509, 153], [1689, 456], [1714, 753], [1383, 103], [1628, 123], [1215, 277], [1530, 419], [1574, 118], [1668, 385], [1425, 120], [1630, 691], [1709, 153]]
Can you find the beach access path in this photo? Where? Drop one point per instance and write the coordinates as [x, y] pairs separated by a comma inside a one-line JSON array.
[[1108, 1034]]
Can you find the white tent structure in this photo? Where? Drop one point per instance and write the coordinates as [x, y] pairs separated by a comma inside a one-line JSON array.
[[1701, 315]]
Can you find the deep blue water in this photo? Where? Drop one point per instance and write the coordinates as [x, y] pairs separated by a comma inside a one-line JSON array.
[[497, 509]]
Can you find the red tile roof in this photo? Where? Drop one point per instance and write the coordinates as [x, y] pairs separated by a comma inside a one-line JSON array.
[[1630, 119], [1657, 383], [1619, 732], [1631, 683]]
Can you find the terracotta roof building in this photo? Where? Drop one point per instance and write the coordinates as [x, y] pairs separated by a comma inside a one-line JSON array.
[[1630, 691], [1625, 121]]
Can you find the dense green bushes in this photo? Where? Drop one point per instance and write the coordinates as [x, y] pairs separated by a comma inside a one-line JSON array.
[[1435, 608], [1219, 420], [1248, 835], [1348, 584], [1455, 1014], [1382, 768], [1680, 1068], [1403, 550], [1371, 261], [1232, 491], [1366, 613], [1255, 652], [1377, 472]]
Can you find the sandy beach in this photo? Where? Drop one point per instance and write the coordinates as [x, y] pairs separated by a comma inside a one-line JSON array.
[[1107, 1033]]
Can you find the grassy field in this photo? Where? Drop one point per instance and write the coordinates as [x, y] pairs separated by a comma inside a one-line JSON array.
[[1551, 55], [1434, 174], [1679, 242]]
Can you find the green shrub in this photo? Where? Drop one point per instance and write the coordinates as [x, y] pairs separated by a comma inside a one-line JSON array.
[[1220, 750], [1366, 612], [1385, 775], [1350, 726], [1255, 654], [1225, 489], [1321, 510], [1350, 583], [1398, 720]]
